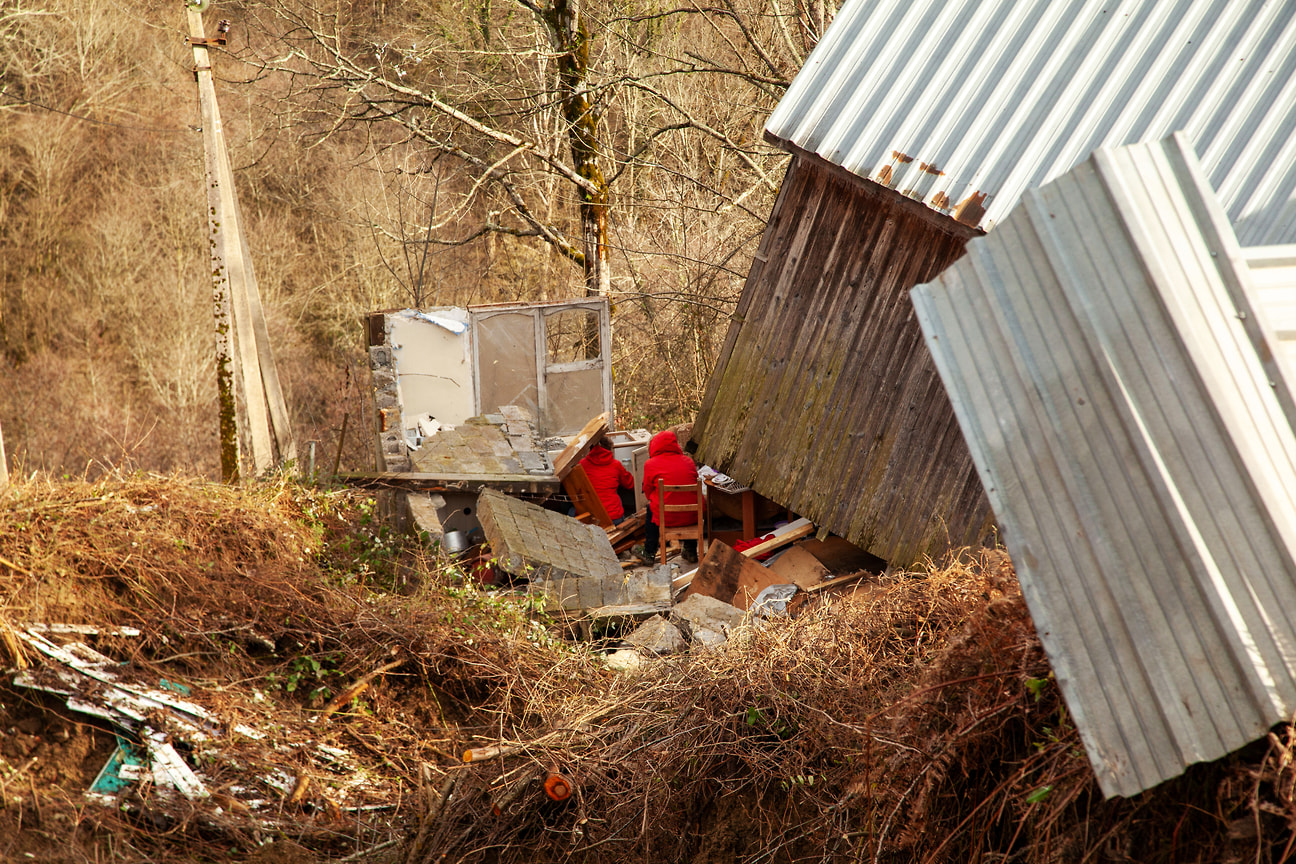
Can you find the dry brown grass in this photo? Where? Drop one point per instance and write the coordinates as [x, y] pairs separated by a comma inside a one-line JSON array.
[[914, 721]]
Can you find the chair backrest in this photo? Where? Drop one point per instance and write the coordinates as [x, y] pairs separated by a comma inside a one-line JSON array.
[[693, 531]]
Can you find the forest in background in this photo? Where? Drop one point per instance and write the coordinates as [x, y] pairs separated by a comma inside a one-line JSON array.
[[386, 155]]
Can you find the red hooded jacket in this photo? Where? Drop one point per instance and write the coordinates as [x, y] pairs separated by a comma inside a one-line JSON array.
[[667, 461], [606, 475]]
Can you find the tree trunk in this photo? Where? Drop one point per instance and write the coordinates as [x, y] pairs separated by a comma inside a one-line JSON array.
[[572, 39]]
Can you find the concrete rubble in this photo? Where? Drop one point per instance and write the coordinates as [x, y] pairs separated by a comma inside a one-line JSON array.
[[705, 620], [571, 562], [658, 636]]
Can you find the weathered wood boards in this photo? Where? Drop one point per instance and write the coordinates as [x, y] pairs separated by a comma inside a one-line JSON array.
[[245, 364], [823, 398], [722, 570], [580, 446], [1116, 384]]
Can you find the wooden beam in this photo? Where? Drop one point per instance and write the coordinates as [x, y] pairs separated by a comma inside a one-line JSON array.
[[583, 497], [794, 531], [539, 484], [634, 523], [574, 452], [226, 359], [840, 580]]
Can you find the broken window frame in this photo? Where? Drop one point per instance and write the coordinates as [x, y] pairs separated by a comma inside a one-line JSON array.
[[539, 312]]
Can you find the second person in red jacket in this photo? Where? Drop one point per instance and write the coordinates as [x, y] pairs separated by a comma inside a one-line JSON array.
[[667, 461]]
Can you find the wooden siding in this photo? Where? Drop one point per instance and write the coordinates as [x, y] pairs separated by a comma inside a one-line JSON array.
[[1113, 369], [824, 397]]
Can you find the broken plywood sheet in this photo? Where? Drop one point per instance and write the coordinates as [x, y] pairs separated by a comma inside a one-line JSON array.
[[722, 570], [841, 556], [566, 559], [793, 567], [797, 566], [579, 447]]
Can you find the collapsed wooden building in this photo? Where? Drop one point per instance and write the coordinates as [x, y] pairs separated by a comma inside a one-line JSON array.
[[914, 127]]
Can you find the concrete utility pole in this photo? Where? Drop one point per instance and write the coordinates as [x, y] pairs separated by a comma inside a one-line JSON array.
[[246, 375]]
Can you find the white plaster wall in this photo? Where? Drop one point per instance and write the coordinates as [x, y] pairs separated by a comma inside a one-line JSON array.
[[433, 365]]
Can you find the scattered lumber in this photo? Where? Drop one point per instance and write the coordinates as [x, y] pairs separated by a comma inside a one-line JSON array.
[[358, 687], [840, 580], [623, 536]]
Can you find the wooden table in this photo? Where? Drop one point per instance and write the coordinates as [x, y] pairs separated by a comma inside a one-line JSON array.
[[747, 498]]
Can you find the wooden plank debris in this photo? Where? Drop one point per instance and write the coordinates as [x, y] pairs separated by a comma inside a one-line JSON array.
[[721, 571], [620, 536], [585, 500], [580, 446], [839, 580], [797, 566], [789, 533]]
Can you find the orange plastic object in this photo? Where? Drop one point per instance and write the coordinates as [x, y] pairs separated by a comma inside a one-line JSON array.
[[557, 787]]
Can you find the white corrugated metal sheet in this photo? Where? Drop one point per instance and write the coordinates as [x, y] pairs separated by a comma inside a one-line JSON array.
[[965, 104], [1110, 365], [1273, 272]]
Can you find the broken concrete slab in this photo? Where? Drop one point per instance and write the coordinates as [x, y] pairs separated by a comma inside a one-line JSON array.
[[492, 445], [706, 620], [625, 660], [571, 562], [634, 593], [658, 636], [436, 513]]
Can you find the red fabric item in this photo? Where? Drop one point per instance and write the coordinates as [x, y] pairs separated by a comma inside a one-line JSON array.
[[606, 475], [755, 541], [667, 460]]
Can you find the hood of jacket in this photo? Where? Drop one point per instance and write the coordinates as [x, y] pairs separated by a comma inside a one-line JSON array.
[[664, 442], [600, 456]]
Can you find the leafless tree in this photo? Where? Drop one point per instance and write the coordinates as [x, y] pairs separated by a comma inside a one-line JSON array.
[[568, 101]]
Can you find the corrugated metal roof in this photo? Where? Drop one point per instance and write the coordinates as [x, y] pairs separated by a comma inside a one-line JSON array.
[[1111, 369], [965, 104]]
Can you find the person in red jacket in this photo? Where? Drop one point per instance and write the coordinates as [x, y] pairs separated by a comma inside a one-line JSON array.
[[667, 461], [608, 477]]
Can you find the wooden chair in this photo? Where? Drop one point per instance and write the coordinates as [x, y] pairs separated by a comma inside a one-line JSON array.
[[696, 531]]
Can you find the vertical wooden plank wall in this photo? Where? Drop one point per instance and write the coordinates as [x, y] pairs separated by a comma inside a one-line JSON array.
[[825, 398]]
